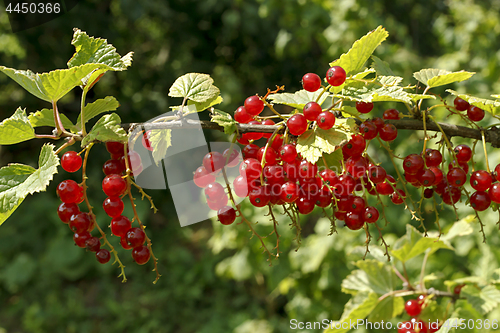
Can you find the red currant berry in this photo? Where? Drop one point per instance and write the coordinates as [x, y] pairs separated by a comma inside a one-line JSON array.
[[231, 157], [66, 210], [311, 82], [324, 198], [81, 238], [438, 174], [240, 186], [456, 177], [307, 169], [226, 215], [274, 174], [364, 107], [202, 177], [71, 161], [243, 140], [112, 167], [242, 116], [311, 111], [297, 124], [288, 153], [253, 135], [329, 177], [494, 192], [460, 104], [480, 200], [345, 184], [355, 146], [377, 174], [277, 142], [325, 120], [213, 161], [451, 195], [474, 113], [458, 289], [305, 205], [371, 214], [340, 215], [113, 206], [426, 177], [254, 105], [463, 153], [433, 157], [250, 168], [413, 163], [135, 237], [68, 191], [114, 185], [391, 114], [141, 254], [336, 76], [428, 193], [354, 221], [93, 244], [146, 143], [115, 148], [271, 155], [368, 130], [358, 205], [398, 196], [259, 197], [379, 122], [289, 192], [214, 192], [80, 222], [481, 180], [356, 166], [496, 173], [103, 256], [462, 165], [123, 243], [413, 307], [120, 225], [388, 132], [250, 151]]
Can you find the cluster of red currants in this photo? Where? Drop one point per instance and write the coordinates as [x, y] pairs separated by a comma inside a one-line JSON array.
[[413, 308]]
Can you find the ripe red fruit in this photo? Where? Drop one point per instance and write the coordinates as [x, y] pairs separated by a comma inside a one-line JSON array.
[[397, 197], [345, 184], [494, 192], [379, 122], [460, 104], [68, 191], [433, 157], [413, 307], [141, 254], [274, 174], [297, 124], [325, 120], [214, 192], [135, 237], [358, 204], [311, 111], [240, 186], [145, 141], [371, 214], [112, 166], [456, 177], [289, 192], [233, 159], [259, 197], [213, 161], [242, 116], [114, 185], [80, 222], [115, 148], [254, 105], [71, 161], [202, 177], [81, 238], [496, 173], [311, 82], [364, 107], [271, 155], [253, 135], [458, 289], [356, 146], [356, 166], [329, 177], [103, 256], [354, 220], [226, 215], [474, 113], [480, 200], [463, 153], [250, 151], [307, 169], [391, 114], [388, 132], [428, 193], [336, 76], [123, 243], [113, 206], [120, 225], [377, 174], [438, 174], [288, 153], [481, 180], [451, 195], [277, 142], [93, 244], [426, 177], [368, 130], [66, 210], [413, 163], [250, 168], [324, 198]]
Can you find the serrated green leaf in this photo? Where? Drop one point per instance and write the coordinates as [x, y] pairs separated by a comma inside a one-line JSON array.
[[433, 77], [333, 161], [414, 243], [350, 111], [106, 129], [45, 117], [90, 50], [199, 107], [225, 120], [389, 80], [381, 67], [388, 308], [460, 228], [298, 99], [194, 86], [314, 143], [108, 103], [483, 300], [16, 128], [358, 307], [362, 49], [363, 74], [53, 85], [451, 323], [373, 276], [160, 140], [488, 105], [17, 180]]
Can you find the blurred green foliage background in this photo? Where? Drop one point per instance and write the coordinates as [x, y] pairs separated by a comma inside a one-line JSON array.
[[216, 279]]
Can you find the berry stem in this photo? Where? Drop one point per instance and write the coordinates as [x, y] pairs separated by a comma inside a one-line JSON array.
[[481, 225], [422, 270], [57, 119], [437, 215], [368, 239], [485, 152], [275, 230]]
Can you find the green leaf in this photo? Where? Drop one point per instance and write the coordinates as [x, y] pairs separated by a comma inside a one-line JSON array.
[[381, 67], [350, 111], [16, 129], [388, 308], [358, 307], [333, 161], [460, 228], [432, 77], [354, 60], [298, 99], [45, 117], [108, 103], [373, 276], [199, 107], [17, 180], [194, 86], [483, 300], [314, 143], [160, 140], [488, 105], [451, 323], [106, 129], [225, 120], [53, 85], [373, 92], [414, 243]]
